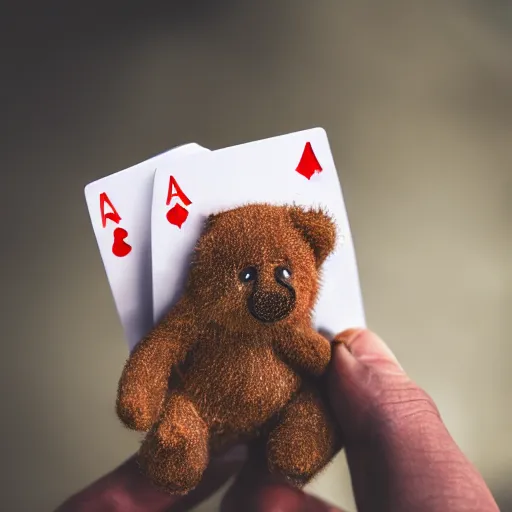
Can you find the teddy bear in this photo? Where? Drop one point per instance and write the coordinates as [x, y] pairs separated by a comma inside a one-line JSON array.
[[237, 359]]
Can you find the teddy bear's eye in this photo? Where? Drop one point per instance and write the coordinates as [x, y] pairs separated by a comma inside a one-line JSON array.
[[247, 274], [283, 273]]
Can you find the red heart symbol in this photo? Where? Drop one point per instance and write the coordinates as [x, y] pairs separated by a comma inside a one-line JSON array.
[[120, 248]]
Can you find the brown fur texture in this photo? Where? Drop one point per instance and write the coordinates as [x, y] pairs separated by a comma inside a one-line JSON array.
[[244, 357]]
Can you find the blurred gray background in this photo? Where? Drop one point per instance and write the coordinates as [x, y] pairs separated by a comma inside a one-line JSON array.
[[416, 97]]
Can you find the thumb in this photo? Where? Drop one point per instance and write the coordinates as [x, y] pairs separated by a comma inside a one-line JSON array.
[[367, 383], [400, 454]]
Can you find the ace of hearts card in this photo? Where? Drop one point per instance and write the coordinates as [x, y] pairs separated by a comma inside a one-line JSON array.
[[120, 210], [297, 168]]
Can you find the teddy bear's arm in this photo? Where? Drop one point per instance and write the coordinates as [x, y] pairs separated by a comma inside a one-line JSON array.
[[304, 349], [144, 381]]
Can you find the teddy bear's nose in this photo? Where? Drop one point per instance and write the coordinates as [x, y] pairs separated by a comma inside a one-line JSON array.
[[271, 307]]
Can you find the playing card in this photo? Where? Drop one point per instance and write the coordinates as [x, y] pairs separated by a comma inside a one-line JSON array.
[[291, 169], [120, 210]]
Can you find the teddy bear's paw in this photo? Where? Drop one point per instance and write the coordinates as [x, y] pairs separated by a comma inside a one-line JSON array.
[[323, 357], [303, 442], [174, 459], [135, 415], [175, 452], [294, 462]]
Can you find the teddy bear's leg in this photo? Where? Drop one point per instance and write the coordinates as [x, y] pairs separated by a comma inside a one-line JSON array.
[[175, 452], [304, 440]]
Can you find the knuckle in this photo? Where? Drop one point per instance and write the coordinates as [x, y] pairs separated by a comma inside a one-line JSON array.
[[380, 403], [404, 403]]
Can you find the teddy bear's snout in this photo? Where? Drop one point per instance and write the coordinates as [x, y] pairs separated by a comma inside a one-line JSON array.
[[271, 306]]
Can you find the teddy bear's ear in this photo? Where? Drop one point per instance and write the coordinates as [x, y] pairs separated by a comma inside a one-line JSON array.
[[210, 222], [317, 228]]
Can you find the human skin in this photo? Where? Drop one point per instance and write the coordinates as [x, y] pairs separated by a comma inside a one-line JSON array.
[[400, 455]]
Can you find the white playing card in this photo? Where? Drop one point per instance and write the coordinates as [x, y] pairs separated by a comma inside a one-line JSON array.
[[278, 170], [123, 233]]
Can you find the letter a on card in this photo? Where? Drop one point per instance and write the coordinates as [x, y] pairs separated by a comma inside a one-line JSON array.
[[176, 215]]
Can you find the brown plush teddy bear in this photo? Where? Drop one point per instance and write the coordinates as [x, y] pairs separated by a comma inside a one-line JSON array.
[[243, 355]]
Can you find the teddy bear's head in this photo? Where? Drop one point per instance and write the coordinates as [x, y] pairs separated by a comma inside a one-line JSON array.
[[258, 265]]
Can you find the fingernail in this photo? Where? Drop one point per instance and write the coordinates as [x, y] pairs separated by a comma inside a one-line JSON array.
[[366, 346], [347, 336]]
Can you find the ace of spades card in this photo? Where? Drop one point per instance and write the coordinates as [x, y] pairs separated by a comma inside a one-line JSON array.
[[297, 168], [120, 210]]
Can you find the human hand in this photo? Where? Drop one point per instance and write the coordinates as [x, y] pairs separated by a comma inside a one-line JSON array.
[[125, 489], [400, 454]]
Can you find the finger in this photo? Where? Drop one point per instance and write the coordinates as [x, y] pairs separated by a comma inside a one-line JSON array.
[[400, 454], [256, 490], [127, 489], [367, 347]]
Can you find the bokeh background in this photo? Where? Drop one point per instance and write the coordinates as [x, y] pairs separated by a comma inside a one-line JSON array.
[[416, 97]]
